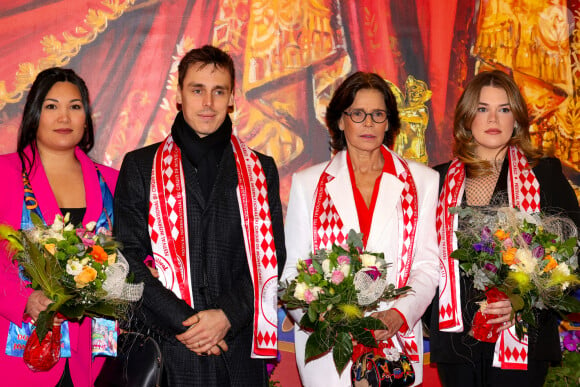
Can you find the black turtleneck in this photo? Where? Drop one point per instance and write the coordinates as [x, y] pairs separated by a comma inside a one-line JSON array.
[[204, 153]]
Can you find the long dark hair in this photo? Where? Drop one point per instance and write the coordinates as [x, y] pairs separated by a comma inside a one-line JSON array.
[[344, 96], [33, 108]]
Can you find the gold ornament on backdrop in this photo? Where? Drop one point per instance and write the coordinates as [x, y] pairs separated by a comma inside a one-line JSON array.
[[59, 51]]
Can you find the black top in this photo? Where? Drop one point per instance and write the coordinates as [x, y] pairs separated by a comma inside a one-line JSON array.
[[76, 214], [556, 197]]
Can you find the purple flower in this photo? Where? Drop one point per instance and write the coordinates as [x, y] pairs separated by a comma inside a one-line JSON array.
[[373, 272], [527, 237], [571, 341], [483, 246], [490, 267], [272, 363], [486, 234], [538, 252]]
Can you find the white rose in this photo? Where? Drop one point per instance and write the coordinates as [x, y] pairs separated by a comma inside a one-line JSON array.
[[91, 226], [74, 267], [54, 234], [299, 291], [345, 270], [368, 260], [326, 267], [316, 291], [58, 223]]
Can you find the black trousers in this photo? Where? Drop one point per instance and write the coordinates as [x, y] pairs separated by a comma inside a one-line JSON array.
[[482, 374], [65, 379]]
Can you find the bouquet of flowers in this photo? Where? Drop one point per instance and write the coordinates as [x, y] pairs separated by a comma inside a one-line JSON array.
[[335, 288], [79, 269], [531, 259]]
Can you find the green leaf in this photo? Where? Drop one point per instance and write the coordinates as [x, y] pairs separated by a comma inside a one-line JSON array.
[[319, 342], [103, 309], [44, 324], [72, 311], [569, 304], [517, 302], [312, 315], [364, 337], [306, 323], [38, 223], [371, 323], [355, 239], [342, 351]]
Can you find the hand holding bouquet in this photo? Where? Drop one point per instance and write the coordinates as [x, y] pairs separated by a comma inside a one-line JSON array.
[[530, 259], [335, 288], [79, 269]]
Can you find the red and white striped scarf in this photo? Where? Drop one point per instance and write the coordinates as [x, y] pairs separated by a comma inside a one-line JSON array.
[[524, 192], [328, 229], [170, 244]]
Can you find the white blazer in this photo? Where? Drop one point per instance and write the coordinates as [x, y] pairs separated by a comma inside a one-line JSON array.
[[383, 237]]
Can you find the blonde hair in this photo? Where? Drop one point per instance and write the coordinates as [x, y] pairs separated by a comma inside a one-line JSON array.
[[463, 142]]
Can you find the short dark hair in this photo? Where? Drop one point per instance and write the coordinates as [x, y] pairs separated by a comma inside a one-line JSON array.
[[344, 96], [44, 81], [206, 55], [463, 142]]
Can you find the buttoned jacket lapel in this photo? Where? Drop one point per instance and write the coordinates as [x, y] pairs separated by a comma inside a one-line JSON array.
[[340, 191]]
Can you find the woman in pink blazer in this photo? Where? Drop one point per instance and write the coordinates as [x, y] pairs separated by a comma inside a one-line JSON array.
[[55, 136]]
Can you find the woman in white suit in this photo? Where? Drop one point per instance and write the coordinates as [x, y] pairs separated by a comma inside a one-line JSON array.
[[368, 188]]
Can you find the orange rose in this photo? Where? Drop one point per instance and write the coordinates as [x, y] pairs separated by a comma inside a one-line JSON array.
[[551, 263], [99, 254], [86, 276], [51, 248], [501, 234], [509, 256]]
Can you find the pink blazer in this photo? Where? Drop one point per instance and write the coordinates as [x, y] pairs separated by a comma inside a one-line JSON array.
[[13, 295]]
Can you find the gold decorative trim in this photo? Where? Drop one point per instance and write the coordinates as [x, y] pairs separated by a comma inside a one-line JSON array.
[[60, 51]]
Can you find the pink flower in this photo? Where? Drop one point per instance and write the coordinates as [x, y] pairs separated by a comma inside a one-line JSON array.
[[88, 241], [86, 236], [337, 277], [308, 261], [343, 259], [508, 243], [309, 296], [311, 270]]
